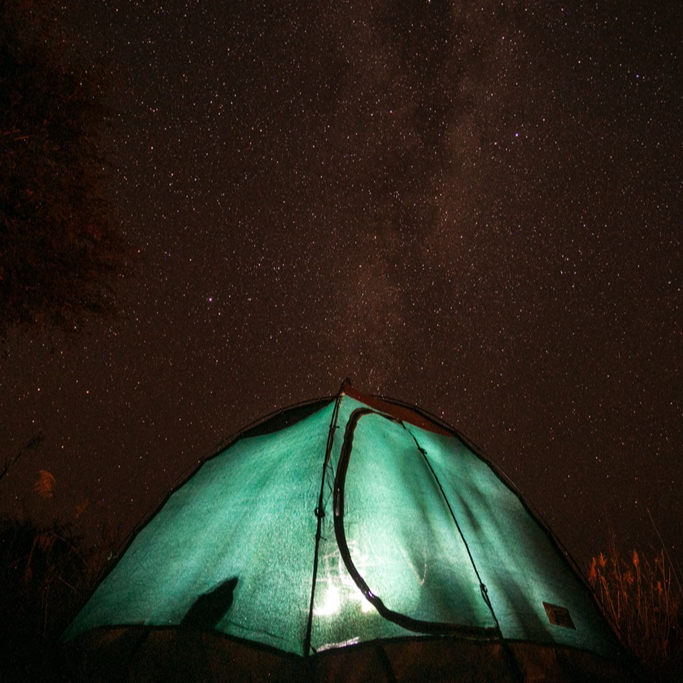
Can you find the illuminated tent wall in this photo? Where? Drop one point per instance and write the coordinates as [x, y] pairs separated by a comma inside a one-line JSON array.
[[349, 539]]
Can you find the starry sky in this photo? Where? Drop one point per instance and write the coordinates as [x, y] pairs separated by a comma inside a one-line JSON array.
[[473, 207]]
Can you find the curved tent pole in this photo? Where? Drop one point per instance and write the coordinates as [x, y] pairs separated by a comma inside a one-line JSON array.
[[409, 623], [319, 513], [531, 509], [514, 668]]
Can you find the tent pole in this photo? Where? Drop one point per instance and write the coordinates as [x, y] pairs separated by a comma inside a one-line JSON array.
[[512, 661], [319, 513]]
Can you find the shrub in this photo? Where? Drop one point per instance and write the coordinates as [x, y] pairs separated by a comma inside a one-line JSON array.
[[642, 597]]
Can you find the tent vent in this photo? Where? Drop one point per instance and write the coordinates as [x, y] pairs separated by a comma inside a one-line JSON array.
[[558, 615]]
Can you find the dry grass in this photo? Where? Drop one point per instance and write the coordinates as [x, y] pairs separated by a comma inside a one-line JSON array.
[[642, 597]]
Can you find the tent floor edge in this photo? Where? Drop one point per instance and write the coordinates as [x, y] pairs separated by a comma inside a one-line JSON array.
[[120, 654]]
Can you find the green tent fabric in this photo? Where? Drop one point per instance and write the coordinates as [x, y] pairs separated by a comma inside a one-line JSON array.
[[352, 538]]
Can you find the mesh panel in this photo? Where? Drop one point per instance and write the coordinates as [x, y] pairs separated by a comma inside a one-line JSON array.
[[247, 514], [515, 557]]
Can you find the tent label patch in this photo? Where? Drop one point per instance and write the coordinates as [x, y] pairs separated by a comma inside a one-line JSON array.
[[558, 615]]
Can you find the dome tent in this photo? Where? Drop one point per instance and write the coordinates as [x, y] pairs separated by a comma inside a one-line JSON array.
[[353, 539]]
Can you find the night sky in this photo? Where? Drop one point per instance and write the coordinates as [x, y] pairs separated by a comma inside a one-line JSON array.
[[473, 207]]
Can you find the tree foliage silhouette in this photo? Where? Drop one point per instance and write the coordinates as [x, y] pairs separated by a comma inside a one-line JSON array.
[[44, 572], [61, 252]]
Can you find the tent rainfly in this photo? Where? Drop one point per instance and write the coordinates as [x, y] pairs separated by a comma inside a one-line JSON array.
[[353, 538]]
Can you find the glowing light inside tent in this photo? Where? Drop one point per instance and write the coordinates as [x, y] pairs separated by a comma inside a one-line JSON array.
[[365, 605], [330, 603], [337, 588]]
